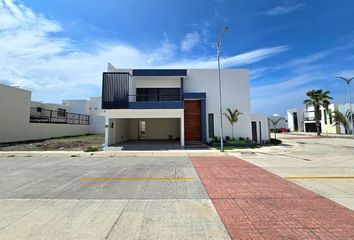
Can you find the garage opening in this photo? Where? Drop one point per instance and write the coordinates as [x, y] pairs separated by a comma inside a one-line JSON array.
[[146, 134]]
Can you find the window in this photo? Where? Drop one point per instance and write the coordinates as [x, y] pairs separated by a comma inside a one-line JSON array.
[[330, 116], [157, 94], [211, 124], [61, 112]]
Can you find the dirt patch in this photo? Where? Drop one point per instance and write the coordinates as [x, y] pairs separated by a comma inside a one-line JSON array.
[[77, 143]]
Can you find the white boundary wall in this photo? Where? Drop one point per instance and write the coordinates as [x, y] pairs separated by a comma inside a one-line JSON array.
[[14, 119]]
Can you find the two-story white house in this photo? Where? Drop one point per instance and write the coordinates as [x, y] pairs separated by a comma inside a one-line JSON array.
[[176, 104]]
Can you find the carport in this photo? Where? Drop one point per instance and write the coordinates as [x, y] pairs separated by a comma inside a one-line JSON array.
[[146, 129]]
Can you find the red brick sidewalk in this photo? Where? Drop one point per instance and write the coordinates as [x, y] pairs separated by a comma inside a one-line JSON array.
[[256, 204]]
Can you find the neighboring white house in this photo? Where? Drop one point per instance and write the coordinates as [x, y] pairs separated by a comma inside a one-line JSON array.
[[177, 104], [92, 108], [22, 119], [306, 119], [295, 120]]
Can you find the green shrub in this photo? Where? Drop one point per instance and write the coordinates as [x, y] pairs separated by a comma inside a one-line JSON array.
[[275, 141], [241, 138], [227, 138], [92, 149], [74, 155]]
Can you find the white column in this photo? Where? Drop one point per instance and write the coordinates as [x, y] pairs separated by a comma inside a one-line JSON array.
[[106, 132], [182, 130]]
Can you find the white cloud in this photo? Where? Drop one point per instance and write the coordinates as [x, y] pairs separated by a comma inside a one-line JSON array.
[[55, 68], [189, 41], [228, 62], [281, 10]]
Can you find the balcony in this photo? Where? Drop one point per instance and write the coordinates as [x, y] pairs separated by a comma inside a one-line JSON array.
[[40, 115], [155, 101], [157, 89]]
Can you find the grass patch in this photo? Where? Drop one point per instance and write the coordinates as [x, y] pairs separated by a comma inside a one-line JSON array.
[[234, 144], [12, 155], [92, 149], [74, 155]]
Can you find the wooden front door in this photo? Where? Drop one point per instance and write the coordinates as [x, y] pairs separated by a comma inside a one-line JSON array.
[[192, 121]]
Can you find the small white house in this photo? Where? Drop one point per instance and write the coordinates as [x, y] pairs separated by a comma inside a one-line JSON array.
[[176, 104], [305, 119]]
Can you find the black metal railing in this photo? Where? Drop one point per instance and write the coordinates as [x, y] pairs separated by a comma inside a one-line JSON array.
[[41, 115], [154, 98]]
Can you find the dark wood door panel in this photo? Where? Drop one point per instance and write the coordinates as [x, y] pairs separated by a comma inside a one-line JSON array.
[[192, 121]]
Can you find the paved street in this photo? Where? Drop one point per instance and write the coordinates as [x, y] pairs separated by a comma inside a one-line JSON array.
[[182, 197], [46, 198]]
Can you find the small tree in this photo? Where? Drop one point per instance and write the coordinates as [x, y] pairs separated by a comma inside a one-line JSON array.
[[275, 122], [339, 119], [232, 116], [318, 98]]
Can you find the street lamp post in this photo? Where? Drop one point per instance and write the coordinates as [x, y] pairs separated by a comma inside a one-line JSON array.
[[220, 105], [348, 80]]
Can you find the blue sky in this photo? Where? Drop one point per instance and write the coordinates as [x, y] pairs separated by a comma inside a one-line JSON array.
[[58, 49]]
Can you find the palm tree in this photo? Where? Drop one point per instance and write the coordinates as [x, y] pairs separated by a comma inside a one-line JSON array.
[[232, 116], [317, 99], [275, 122], [339, 118]]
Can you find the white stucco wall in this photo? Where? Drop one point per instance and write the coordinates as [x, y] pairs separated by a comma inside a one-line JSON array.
[[97, 116], [156, 128], [235, 94], [300, 120], [148, 82], [77, 106], [122, 130], [263, 133], [14, 113]]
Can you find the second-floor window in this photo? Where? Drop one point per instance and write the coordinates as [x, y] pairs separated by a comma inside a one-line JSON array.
[[157, 94]]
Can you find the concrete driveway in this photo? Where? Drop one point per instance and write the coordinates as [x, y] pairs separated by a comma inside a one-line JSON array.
[[82, 198]]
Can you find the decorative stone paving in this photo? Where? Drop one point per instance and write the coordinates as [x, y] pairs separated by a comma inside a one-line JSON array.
[[256, 204]]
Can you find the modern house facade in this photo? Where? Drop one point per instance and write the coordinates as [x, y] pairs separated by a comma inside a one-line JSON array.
[[305, 119], [173, 104]]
